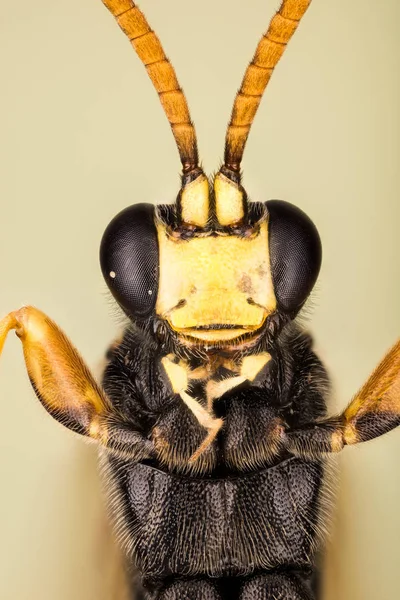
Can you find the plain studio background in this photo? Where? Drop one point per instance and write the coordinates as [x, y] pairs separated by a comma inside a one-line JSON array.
[[83, 136]]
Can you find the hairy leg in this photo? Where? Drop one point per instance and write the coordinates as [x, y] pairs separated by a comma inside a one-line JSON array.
[[374, 410], [67, 389]]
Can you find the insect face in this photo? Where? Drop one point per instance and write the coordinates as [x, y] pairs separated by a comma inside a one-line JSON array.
[[211, 281], [215, 287], [213, 267]]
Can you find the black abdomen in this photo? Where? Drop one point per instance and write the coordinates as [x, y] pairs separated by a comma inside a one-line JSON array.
[[184, 526]]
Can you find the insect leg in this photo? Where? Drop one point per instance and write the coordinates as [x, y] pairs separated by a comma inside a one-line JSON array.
[[65, 386], [374, 410]]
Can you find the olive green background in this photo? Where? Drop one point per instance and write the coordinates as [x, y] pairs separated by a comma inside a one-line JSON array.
[[82, 136]]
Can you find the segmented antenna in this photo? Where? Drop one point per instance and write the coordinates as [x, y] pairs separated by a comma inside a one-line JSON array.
[[148, 47], [258, 73]]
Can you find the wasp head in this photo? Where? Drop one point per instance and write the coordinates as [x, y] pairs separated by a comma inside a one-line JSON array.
[[213, 267]]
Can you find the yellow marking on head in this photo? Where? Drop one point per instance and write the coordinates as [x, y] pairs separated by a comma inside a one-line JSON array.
[[229, 200], [195, 202], [215, 335], [199, 284]]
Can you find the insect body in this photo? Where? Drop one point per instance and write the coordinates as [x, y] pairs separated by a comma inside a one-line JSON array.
[[211, 415]]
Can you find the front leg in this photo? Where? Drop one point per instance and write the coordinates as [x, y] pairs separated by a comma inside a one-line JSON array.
[[67, 389], [374, 410]]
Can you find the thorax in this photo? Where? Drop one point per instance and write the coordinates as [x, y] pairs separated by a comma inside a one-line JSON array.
[[220, 416]]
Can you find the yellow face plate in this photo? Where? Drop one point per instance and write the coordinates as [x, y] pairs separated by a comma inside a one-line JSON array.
[[215, 288]]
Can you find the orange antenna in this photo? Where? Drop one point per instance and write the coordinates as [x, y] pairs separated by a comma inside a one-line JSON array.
[[258, 73], [148, 47]]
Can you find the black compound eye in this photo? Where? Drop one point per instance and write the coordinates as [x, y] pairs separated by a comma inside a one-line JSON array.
[[295, 254], [129, 259]]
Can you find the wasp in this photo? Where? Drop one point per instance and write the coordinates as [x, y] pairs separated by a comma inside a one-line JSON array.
[[211, 417]]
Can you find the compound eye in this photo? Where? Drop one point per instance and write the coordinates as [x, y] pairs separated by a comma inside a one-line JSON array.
[[295, 254], [129, 259]]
